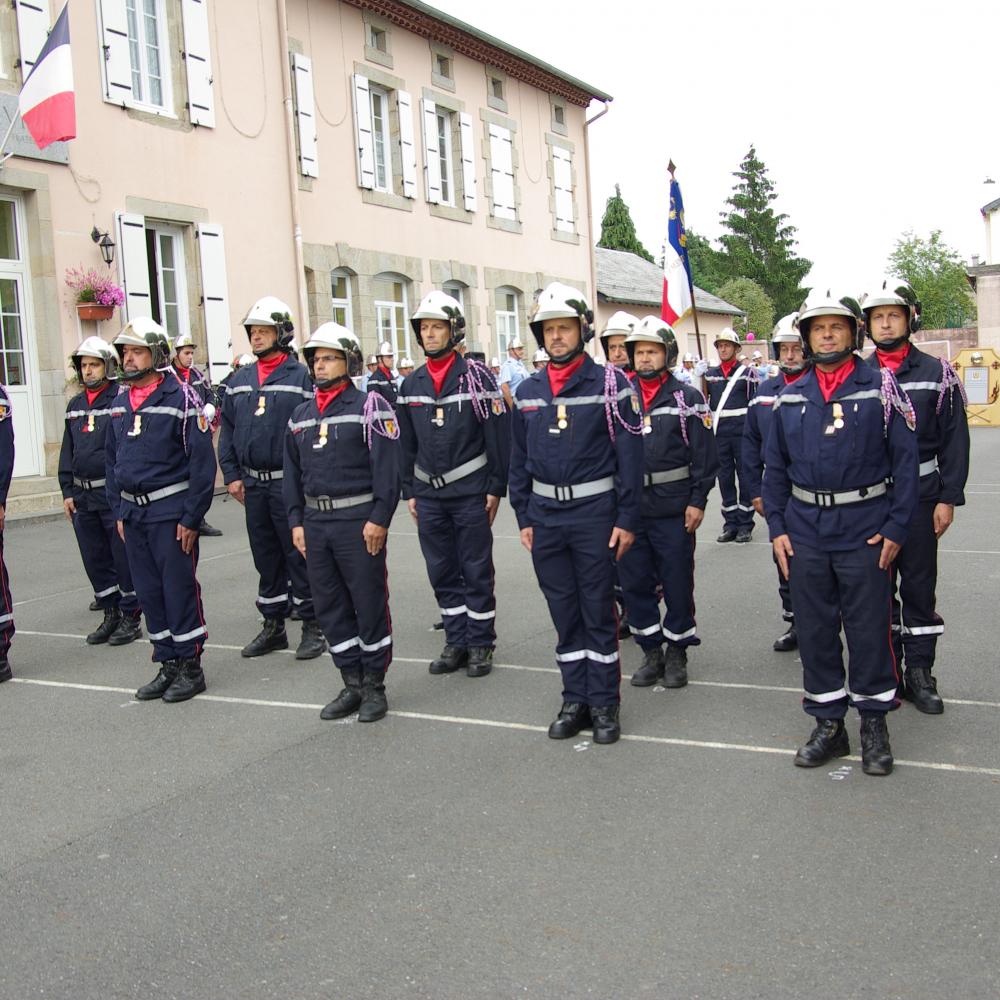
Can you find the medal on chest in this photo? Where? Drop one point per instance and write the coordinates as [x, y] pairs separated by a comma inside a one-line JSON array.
[[438, 418], [89, 428], [136, 426], [562, 421], [320, 442], [647, 424], [261, 401], [838, 420]]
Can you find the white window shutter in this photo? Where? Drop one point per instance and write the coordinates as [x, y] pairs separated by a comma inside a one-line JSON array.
[[32, 30], [468, 161], [215, 299], [562, 183], [133, 264], [305, 115], [408, 153], [363, 131], [432, 152], [502, 172], [198, 59], [114, 42]]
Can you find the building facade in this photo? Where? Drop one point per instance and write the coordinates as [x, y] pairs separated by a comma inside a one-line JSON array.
[[346, 156]]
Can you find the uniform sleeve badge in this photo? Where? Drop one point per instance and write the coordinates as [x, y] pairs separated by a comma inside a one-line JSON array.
[[707, 420], [390, 427], [202, 423], [635, 403], [497, 407]]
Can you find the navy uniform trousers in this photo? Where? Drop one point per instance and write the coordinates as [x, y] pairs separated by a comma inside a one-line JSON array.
[[575, 570], [915, 572], [457, 543], [105, 560], [350, 594], [6, 606], [663, 551], [276, 559], [737, 507]]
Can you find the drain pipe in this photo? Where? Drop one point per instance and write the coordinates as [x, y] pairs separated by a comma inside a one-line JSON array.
[[590, 215]]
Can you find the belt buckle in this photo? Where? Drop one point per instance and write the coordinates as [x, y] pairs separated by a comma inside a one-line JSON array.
[[438, 482], [141, 500], [325, 504], [823, 499], [564, 493], [265, 476], [647, 479]]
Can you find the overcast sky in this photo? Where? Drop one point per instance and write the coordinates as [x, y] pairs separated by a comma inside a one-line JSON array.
[[872, 118]]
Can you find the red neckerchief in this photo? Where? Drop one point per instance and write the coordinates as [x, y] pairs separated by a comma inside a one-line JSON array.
[[649, 387], [830, 382], [728, 366], [438, 369], [385, 371], [185, 373], [558, 377], [92, 394], [893, 359], [137, 395], [265, 366], [789, 379], [324, 397]]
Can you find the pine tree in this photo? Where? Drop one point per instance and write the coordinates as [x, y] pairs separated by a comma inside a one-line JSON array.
[[760, 244], [618, 229]]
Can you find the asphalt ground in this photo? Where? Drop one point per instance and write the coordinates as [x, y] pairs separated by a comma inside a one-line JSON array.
[[238, 846]]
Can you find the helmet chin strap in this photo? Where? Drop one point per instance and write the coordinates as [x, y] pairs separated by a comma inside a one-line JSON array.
[[329, 383], [830, 357], [565, 359], [653, 374], [891, 345], [95, 384], [791, 369], [441, 352]]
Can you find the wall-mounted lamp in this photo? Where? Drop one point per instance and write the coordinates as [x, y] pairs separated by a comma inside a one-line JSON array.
[[106, 243]]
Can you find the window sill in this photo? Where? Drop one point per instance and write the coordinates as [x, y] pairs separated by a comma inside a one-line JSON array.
[[387, 199], [444, 82], [451, 212], [378, 57], [507, 225], [560, 236]]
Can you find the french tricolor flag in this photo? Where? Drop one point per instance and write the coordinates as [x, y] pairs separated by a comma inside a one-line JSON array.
[[47, 102]]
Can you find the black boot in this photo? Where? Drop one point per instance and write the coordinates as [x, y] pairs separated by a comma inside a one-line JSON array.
[[787, 642], [728, 535], [129, 629], [313, 644], [651, 670], [452, 658], [606, 726], [675, 667], [95, 605], [876, 754], [207, 531], [6, 673], [104, 631], [190, 681], [271, 637], [348, 701], [373, 700], [159, 684], [480, 661], [828, 740], [744, 535], [921, 688], [572, 718]]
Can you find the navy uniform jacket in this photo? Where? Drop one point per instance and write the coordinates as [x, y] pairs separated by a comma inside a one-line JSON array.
[[861, 454], [83, 446], [580, 453], [249, 441], [664, 448], [461, 437], [941, 437], [384, 384], [173, 445], [739, 399], [344, 466], [6, 445], [756, 429]]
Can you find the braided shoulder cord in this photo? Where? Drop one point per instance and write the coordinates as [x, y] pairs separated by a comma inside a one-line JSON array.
[[893, 398], [949, 381], [611, 411], [479, 383], [378, 417]]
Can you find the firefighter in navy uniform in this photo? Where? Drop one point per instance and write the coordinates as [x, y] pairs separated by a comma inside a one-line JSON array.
[[837, 435], [892, 313], [82, 479], [341, 488], [575, 486], [730, 386], [160, 469], [455, 437], [680, 466], [382, 379], [787, 351], [260, 400], [6, 473]]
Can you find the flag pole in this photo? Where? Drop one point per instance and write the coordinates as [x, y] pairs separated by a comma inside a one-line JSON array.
[[694, 306], [4, 156]]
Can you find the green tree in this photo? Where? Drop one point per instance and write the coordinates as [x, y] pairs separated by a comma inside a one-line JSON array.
[[618, 229], [708, 265], [937, 274], [754, 301], [759, 243]]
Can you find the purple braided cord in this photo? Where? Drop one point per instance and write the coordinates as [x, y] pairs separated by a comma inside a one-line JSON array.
[[374, 416], [611, 411], [478, 383], [893, 398], [685, 411], [949, 380]]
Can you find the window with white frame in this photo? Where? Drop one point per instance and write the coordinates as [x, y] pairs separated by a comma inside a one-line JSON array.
[[502, 173], [340, 288], [148, 52], [562, 185], [167, 278], [380, 138], [457, 291], [383, 129], [444, 136], [389, 293], [507, 327]]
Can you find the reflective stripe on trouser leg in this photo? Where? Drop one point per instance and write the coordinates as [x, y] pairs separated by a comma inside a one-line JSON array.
[[574, 570], [129, 600], [440, 551], [916, 569], [637, 573], [474, 546], [6, 605], [294, 563]]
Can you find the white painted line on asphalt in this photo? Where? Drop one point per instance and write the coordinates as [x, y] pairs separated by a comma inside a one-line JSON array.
[[736, 685], [461, 720]]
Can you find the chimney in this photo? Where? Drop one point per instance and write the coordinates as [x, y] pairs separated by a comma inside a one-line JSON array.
[[975, 260]]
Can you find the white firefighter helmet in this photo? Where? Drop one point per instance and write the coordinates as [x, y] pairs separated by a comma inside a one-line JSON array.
[[828, 303], [785, 330], [372, 360], [757, 356], [494, 362], [620, 323], [539, 357], [728, 336], [337, 338], [406, 362], [441, 306], [271, 311], [94, 347], [559, 301], [653, 330], [245, 359], [183, 340], [689, 357], [386, 350], [515, 344], [143, 332], [894, 292]]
